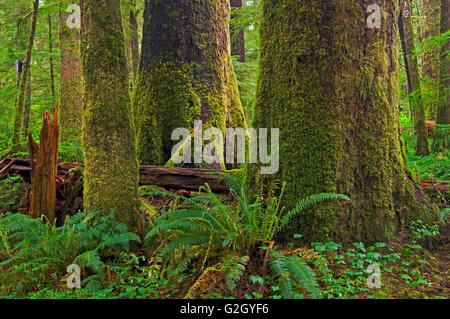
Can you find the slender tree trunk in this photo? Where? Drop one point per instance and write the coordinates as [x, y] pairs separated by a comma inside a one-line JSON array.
[[20, 103], [430, 58], [52, 77], [185, 74], [71, 80], [237, 35], [331, 86], [27, 109], [413, 75], [111, 170], [134, 40], [442, 132]]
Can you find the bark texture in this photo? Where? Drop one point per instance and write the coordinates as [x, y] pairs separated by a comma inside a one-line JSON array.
[[71, 79], [43, 161], [442, 131], [330, 84], [413, 76], [430, 58], [111, 171], [185, 74]]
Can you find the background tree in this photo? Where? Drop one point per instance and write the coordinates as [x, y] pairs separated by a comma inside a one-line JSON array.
[[111, 172], [413, 76], [237, 34], [430, 58], [442, 132], [330, 83], [71, 79], [185, 74], [20, 104]]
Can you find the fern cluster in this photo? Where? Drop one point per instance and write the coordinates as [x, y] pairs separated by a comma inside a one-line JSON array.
[[40, 249]]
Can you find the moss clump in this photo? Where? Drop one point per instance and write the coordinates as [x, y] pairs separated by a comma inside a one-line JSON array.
[[331, 84]]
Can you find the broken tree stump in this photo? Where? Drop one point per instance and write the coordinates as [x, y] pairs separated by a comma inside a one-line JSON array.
[[43, 162]]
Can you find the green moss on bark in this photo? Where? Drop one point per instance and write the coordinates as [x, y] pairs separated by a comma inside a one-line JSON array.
[[71, 81], [185, 74], [331, 85], [111, 170]]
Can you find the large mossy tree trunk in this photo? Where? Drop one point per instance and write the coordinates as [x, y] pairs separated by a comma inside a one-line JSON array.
[[71, 79], [237, 34], [442, 132], [430, 58], [20, 102], [330, 83], [111, 171], [185, 74], [416, 101]]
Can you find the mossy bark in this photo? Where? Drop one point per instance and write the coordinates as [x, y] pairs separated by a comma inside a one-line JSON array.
[[413, 76], [185, 74], [430, 58], [71, 79], [442, 134], [20, 103], [330, 84], [111, 171]]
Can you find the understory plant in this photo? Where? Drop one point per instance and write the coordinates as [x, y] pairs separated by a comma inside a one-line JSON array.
[[216, 224]]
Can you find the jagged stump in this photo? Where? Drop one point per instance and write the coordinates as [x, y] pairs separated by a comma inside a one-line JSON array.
[[43, 161]]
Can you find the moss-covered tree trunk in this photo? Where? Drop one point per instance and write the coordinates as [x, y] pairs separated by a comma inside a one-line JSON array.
[[430, 58], [413, 76], [71, 79], [442, 132], [20, 103], [330, 83], [111, 171], [185, 74], [237, 34]]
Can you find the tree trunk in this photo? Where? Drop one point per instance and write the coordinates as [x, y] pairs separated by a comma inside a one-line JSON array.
[[237, 35], [413, 76], [185, 74], [430, 58], [44, 159], [27, 109], [330, 83], [50, 44], [111, 170], [71, 80], [134, 41], [20, 103], [442, 131]]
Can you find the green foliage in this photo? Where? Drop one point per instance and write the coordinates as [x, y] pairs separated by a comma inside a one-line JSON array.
[[207, 219], [12, 194], [293, 270], [41, 250]]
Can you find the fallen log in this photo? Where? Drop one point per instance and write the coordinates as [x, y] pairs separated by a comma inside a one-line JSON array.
[[168, 177]]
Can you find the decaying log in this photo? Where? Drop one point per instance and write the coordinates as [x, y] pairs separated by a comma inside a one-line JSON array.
[[167, 177], [43, 165]]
